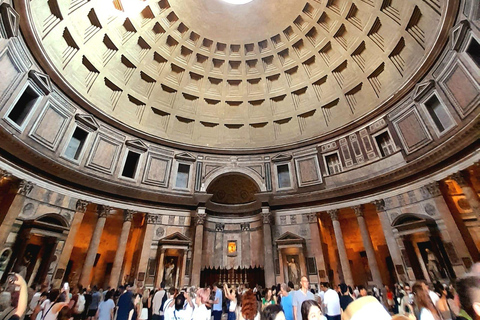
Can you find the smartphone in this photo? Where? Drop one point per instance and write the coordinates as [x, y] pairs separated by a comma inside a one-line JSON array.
[[66, 286], [12, 278]]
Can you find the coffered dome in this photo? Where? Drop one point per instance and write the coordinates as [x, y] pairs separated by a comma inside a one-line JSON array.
[[207, 73]]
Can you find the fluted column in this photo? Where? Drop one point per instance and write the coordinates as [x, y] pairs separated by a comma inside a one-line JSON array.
[[390, 239], [121, 247], [10, 213], [81, 208], [102, 212], [461, 179], [267, 247], [316, 245], [367, 243], [198, 247], [342, 252], [147, 244]]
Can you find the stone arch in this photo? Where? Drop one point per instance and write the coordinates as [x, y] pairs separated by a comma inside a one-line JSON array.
[[53, 219], [407, 218], [233, 171]]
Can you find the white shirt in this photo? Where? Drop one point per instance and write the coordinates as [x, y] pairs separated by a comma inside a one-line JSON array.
[[425, 314], [370, 309], [202, 313], [33, 302], [172, 314], [433, 296], [157, 302], [332, 302]]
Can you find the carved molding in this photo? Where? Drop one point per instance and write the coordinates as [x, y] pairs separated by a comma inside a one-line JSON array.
[[200, 218], [128, 215], [4, 174], [430, 190], [266, 215], [312, 217], [460, 178], [81, 206], [151, 218]]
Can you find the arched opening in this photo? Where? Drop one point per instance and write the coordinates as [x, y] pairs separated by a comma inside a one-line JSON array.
[[233, 189]]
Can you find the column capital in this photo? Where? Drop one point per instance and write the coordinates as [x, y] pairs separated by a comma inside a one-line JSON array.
[[358, 210], [103, 211], [128, 215], [312, 217], [81, 206], [4, 174], [460, 178], [431, 190], [151, 218], [25, 187], [200, 217], [333, 213], [266, 216], [379, 205]]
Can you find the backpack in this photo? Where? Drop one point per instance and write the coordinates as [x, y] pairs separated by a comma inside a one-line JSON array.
[[164, 299], [80, 306]]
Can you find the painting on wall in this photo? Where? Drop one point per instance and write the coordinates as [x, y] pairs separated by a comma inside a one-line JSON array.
[[293, 265], [170, 272]]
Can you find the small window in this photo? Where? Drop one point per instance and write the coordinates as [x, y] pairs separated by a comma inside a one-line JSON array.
[[385, 144], [473, 50], [131, 163], [182, 176], [333, 164], [438, 113], [23, 106], [75, 146], [283, 172]]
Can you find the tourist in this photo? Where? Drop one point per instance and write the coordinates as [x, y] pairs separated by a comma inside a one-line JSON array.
[[201, 312], [331, 302], [366, 308], [468, 290], [93, 306], [273, 312], [311, 310], [135, 302], [406, 302], [124, 304], [181, 310], [249, 307], [106, 307], [442, 303], [231, 302], [55, 302], [301, 295], [79, 306], [426, 308], [345, 298], [362, 291], [158, 302], [217, 303], [268, 298], [287, 301], [18, 298]]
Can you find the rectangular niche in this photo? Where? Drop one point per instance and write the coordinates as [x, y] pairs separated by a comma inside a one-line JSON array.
[[439, 114], [130, 165], [75, 145], [182, 176], [283, 176]]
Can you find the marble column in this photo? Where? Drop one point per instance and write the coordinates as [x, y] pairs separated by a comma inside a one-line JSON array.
[[267, 247], [198, 247], [342, 252], [121, 247], [160, 268], [316, 245], [184, 264], [367, 243], [390, 240], [81, 208], [19, 195], [102, 212], [147, 244], [461, 178]]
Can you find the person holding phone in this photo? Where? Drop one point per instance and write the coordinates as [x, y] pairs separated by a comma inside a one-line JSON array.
[[18, 306]]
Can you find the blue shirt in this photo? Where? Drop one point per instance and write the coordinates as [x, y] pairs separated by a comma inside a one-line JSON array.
[[287, 305], [218, 295], [124, 305]]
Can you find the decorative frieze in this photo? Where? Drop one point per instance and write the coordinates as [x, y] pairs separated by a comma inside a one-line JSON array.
[[430, 190]]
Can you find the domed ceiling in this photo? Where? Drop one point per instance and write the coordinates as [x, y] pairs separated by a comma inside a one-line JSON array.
[[212, 74]]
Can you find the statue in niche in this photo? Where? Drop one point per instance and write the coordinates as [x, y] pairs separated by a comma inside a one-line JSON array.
[[169, 273], [293, 269], [432, 265]]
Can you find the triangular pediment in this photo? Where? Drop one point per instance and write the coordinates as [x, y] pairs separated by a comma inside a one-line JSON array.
[[289, 236], [421, 89], [282, 157], [458, 34], [137, 144], [87, 120], [185, 156], [42, 80], [176, 239], [9, 20]]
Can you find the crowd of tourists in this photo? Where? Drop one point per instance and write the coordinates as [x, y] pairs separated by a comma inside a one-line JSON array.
[[460, 301]]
